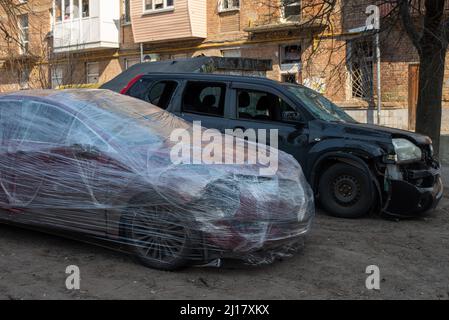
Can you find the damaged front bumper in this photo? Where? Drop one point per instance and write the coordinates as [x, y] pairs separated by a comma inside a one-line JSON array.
[[413, 189]]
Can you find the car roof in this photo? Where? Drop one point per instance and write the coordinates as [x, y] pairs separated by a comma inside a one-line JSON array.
[[214, 76], [85, 101]]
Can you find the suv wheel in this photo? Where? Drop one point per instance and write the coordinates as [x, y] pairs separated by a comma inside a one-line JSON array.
[[346, 191]]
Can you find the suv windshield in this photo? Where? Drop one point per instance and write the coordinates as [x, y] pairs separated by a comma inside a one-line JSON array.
[[318, 105]]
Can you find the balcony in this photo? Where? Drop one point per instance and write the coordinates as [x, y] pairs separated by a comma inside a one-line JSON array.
[[81, 25], [162, 20]]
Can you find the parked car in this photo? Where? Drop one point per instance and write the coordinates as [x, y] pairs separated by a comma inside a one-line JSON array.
[[98, 163], [353, 168]]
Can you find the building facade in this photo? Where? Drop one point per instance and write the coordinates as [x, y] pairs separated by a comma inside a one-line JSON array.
[[88, 42]]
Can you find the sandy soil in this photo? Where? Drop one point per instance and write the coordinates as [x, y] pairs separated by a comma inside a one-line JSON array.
[[413, 257]]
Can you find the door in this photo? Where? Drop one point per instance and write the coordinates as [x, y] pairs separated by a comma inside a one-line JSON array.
[[413, 82], [259, 107]]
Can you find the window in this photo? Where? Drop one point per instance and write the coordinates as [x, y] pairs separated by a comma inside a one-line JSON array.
[[289, 78], [85, 9], [57, 74], [24, 34], [161, 93], [231, 53], [129, 62], [291, 10], [227, 5], [290, 54], [140, 89], [126, 12], [259, 105], [80, 134], [58, 10], [154, 5], [204, 98], [361, 58], [44, 123], [24, 78], [92, 72], [76, 9]]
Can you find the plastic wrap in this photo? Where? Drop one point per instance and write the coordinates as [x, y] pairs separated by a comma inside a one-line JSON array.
[[97, 163]]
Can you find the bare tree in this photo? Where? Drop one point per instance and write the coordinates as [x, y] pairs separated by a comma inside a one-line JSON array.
[[429, 34], [24, 51]]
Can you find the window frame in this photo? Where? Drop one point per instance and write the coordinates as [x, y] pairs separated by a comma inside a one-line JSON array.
[[156, 82], [53, 71], [222, 8], [126, 12], [165, 7], [284, 18], [92, 74], [223, 96], [248, 86], [24, 30]]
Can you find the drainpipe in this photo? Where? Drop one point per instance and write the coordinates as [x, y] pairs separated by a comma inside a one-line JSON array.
[[141, 52], [379, 97]]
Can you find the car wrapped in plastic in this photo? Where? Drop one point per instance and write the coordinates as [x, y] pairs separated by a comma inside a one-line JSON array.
[[97, 163]]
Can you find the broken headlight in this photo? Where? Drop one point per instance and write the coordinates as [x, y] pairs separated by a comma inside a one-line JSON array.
[[406, 151]]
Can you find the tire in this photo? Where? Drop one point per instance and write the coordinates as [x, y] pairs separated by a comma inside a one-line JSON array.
[[346, 191], [158, 236]]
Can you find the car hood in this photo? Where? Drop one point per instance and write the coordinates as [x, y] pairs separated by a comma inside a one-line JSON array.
[[368, 132]]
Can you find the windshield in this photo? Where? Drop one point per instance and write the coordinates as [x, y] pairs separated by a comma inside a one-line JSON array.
[[318, 105]]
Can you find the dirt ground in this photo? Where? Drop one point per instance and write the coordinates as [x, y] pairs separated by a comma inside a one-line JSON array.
[[413, 257]]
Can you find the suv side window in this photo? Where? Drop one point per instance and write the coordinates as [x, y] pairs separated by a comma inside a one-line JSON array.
[[140, 88], [260, 105], [204, 98], [161, 93]]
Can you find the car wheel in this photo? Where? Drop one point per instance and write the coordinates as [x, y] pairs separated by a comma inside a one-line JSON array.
[[158, 236], [346, 191]]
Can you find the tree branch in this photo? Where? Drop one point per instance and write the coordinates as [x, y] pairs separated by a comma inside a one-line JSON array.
[[415, 36]]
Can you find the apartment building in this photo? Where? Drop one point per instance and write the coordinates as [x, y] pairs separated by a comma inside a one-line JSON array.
[[91, 41]]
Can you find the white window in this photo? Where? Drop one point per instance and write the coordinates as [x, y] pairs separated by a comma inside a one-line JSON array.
[[57, 74], [85, 8], [155, 5], [129, 62], [126, 12], [58, 10], [231, 53], [291, 10], [70, 9], [23, 28], [92, 72], [228, 5]]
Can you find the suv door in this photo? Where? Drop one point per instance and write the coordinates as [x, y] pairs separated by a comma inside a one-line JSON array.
[[205, 101], [260, 107]]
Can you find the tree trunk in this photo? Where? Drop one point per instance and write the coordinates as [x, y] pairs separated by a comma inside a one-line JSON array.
[[430, 93]]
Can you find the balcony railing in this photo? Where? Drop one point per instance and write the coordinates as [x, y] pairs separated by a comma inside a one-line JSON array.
[[85, 34]]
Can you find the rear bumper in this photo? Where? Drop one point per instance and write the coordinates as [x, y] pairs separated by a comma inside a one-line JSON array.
[[409, 200]]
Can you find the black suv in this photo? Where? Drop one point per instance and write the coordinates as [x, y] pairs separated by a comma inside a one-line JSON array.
[[353, 168]]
